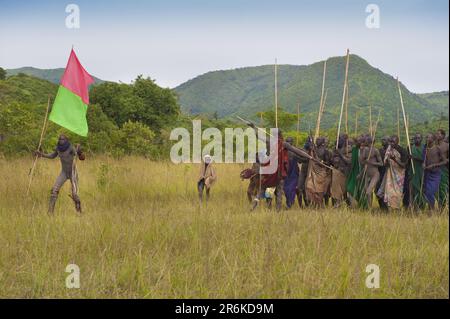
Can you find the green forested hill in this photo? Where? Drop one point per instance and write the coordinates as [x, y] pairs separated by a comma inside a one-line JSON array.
[[246, 91], [51, 75], [122, 118], [437, 100], [25, 89]]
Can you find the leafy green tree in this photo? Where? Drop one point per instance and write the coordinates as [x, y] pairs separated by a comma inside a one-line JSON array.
[[286, 120], [2, 74], [19, 132], [142, 101], [137, 139]]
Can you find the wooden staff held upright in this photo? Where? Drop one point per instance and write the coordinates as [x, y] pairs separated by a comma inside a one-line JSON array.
[[406, 125]]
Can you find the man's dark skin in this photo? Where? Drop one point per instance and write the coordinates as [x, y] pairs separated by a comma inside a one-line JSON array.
[[382, 169], [364, 145], [324, 155], [384, 146], [359, 141], [341, 159], [403, 163], [408, 188], [403, 154], [371, 159], [67, 158], [434, 159], [279, 187], [442, 145], [253, 186], [301, 191], [321, 152], [417, 140]]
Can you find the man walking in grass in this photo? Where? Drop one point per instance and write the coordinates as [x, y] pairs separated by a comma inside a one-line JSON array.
[[391, 189], [290, 184], [319, 177], [432, 167], [301, 189], [443, 186], [382, 170], [341, 162], [354, 186], [206, 178], [66, 153], [277, 154], [417, 200], [371, 161], [253, 175]]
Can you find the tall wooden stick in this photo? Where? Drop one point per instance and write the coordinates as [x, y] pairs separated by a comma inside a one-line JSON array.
[[298, 121], [346, 109], [321, 100], [276, 95], [343, 98], [370, 120], [44, 127], [407, 121], [319, 118], [373, 135], [371, 146], [398, 124], [356, 123], [323, 106], [406, 125]]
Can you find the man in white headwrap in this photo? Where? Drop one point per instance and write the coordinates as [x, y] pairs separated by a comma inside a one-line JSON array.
[[206, 178]]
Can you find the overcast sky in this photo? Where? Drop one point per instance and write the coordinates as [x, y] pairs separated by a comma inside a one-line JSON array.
[[174, 41]]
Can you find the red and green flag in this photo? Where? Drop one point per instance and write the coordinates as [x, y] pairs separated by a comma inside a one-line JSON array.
[[71, 102]]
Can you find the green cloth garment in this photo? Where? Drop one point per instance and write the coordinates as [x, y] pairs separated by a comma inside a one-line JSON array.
[[355, 187], [443, 187]]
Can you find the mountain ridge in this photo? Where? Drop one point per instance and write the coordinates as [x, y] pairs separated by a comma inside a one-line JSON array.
[[248, 90], [245, 91], [51, 75]]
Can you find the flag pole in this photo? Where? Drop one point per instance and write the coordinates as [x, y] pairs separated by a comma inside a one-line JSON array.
[[406, 125], [343, 98], [44, 127]]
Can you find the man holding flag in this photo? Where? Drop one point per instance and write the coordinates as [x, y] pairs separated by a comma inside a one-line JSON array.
[[69, 111], [66, 153], [71, 102]]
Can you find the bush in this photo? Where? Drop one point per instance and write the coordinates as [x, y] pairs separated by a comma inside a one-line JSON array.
[[137, 139]]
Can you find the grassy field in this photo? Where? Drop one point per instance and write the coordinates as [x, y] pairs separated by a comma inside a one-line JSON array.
[[143, 234]]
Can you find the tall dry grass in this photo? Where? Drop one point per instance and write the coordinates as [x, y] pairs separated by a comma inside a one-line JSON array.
[[143, 234]]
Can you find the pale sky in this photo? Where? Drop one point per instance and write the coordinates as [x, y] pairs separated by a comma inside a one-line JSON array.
[[174, 41]]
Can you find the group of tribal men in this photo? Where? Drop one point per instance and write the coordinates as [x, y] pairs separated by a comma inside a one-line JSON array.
[[351, 174], [355, 172]]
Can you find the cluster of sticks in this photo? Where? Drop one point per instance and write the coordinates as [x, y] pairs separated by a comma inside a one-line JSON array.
[[343, 110]]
